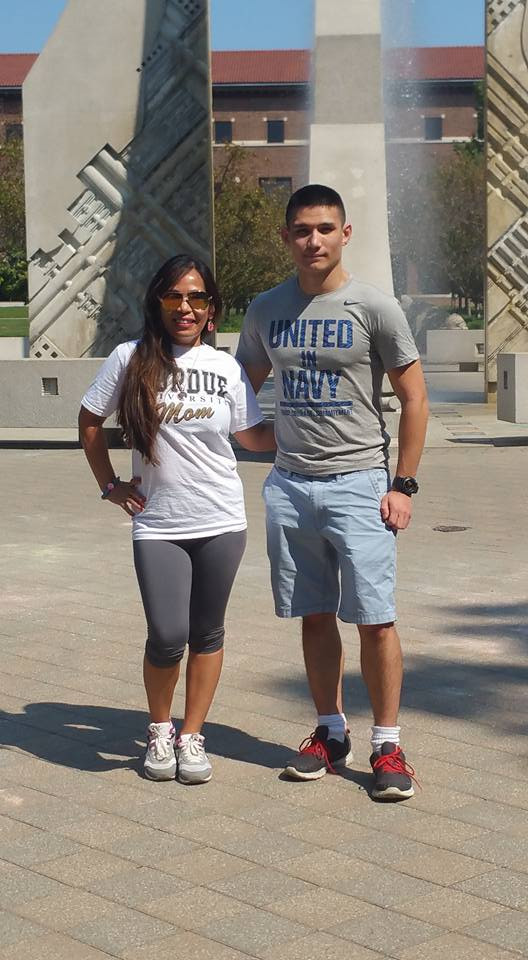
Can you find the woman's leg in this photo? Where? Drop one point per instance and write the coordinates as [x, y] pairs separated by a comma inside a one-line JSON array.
[[164, 573], [215, 562], [160, 683]]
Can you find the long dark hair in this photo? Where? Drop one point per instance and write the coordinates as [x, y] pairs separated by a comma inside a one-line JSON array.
[[152, 365]]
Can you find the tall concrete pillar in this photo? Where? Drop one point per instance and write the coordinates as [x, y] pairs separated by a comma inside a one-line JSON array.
[[117, 131], [507, 145], [347, 136]]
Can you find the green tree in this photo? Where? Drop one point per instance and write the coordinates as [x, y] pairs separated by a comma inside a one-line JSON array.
[[13, 267], [438, 225], [250, 255], [459, 192]]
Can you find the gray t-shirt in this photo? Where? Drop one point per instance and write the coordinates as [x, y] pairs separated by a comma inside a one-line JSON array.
[[328, 354]]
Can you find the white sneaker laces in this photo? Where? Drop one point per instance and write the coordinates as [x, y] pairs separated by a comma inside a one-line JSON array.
[[160, 744], [193, 749]]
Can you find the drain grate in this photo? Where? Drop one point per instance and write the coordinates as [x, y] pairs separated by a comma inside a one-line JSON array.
[[450, 529]]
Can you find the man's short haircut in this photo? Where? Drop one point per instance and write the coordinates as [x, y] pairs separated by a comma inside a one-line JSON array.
[[314, 195]]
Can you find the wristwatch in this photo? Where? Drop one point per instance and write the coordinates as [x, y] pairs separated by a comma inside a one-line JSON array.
[[406, 485], [111, 485]]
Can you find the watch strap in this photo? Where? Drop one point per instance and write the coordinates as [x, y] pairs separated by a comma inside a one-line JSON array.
[[111, 485]]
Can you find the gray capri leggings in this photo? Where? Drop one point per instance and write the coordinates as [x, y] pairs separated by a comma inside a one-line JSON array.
[[185, 586]]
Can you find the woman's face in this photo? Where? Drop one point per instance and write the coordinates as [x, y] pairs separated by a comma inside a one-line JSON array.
[[186, 309]]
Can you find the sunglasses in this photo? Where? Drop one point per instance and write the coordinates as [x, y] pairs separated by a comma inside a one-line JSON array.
[[197, 300]]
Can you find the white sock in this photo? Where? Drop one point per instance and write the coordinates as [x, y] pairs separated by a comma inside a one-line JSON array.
[[336, 723], [382, 735], [164, 728]]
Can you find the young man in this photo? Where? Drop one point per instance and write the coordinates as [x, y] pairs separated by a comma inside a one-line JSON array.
[[331, 511]]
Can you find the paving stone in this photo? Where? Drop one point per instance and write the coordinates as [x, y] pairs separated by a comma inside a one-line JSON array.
[[357, 878], [501, 886], [74, 720], [458, 947], [318, 908], [84, 869], [184, 946], [320, 946], [63, 911], [508, 930], [253, 931], [262, 886], [120, 929], [25, 845], [449, 908], [14, 929], [331, 833], [17, 884], [498, 849], [53, 947], [384, 930], [243, 839], [205, 865], [194, 907], [496, 816]]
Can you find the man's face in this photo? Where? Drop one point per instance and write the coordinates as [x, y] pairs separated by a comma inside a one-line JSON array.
[[316, 237]]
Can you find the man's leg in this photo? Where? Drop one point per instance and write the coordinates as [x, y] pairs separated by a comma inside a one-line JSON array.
[[382, 669], [329, 746], [324, 660]]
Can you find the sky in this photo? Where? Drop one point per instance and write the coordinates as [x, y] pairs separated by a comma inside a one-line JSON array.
[[271, 24]]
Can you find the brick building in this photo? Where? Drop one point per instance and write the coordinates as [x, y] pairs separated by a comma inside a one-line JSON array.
[[261, 101], [13, 70]]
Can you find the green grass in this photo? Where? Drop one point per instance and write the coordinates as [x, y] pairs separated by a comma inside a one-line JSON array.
[[14, 322], [13, 312], [14, 327]]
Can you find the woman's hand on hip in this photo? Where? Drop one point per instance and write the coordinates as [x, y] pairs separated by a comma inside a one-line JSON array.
[[127, 496]]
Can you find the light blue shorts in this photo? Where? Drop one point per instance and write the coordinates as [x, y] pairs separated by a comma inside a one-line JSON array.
[[328, 547]]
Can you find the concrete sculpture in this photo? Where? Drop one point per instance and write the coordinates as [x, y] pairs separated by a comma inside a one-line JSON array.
[[347, 137], [507, 146], [118, 166]]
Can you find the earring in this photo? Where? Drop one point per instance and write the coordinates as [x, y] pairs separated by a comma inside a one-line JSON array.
[[210, 326]]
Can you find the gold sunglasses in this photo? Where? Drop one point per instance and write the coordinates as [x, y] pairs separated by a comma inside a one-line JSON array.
[[197, 300]]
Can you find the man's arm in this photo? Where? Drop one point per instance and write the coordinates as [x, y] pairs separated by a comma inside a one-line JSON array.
[[409, 386], [256, 374]]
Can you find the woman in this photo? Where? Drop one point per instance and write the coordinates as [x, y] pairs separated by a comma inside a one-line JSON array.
[[177, 400]]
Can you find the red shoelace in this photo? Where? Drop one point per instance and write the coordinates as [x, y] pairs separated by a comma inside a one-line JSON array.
[[393, 763], [318, 748]]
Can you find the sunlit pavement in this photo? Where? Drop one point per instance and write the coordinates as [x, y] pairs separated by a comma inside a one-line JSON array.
[[98, 862]]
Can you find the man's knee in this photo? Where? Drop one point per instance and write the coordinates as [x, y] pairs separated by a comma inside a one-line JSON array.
[[317, 621], [372, 632]]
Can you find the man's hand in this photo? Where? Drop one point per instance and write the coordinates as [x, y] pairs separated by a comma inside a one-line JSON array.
[[396, 509], [126, 496]]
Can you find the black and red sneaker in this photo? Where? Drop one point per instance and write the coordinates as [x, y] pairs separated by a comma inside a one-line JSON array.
[[319, 754], [393, 776]]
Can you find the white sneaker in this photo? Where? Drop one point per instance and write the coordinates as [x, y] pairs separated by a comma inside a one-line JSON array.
[[193, 763], [160, 761]]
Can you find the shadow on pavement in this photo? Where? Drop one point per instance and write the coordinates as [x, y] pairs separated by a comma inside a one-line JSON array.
[[97, 739], [492, 441]]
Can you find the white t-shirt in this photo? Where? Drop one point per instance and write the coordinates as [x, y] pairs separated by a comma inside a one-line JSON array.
[[195, 491]]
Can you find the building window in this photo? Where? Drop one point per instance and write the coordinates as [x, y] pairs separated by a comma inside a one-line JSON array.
[[275, 131], [273, 184], [433, 128], [14, 131], [223, 131]]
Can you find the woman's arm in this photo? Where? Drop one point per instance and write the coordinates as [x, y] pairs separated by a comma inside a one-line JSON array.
[[93, 440], [258, 438]]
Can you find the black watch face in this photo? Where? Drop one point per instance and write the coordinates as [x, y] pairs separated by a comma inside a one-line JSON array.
[[409, 485]]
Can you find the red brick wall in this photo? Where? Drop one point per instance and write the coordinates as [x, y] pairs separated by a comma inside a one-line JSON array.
[[10, 112]]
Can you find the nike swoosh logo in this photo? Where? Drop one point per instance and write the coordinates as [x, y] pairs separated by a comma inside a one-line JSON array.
[[349, 303]]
